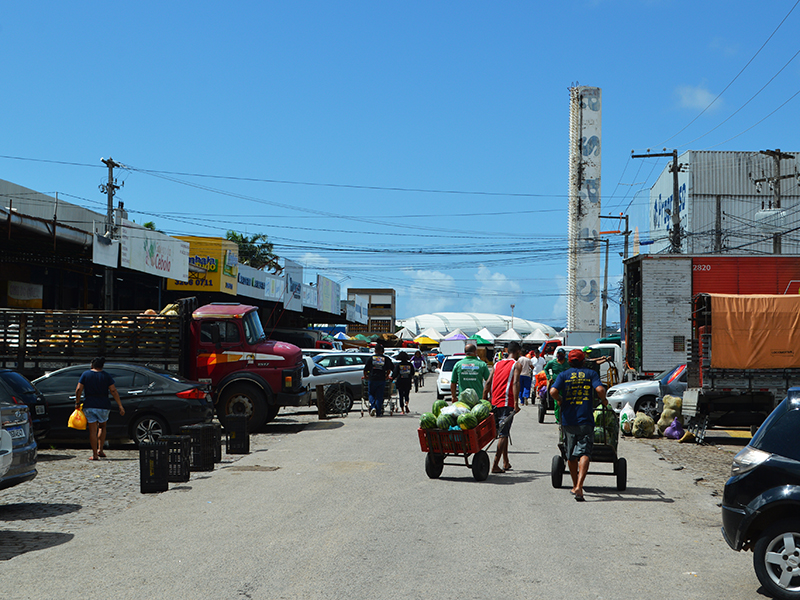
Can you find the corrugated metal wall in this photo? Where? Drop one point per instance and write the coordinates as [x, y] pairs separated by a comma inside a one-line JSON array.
[[745, 274], [726, 174], [666, 309]]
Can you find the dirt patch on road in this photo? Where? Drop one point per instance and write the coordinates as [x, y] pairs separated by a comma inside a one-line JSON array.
[[708, 465]]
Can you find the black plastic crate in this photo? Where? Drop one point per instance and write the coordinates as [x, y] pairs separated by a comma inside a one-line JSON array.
[[238, 439], [153, 467], [201, 446], [178, 449]]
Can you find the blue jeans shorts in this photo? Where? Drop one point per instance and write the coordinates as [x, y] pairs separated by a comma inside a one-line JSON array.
[[96, 415]]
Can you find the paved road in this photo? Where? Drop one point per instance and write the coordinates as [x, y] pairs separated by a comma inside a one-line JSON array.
[[343, 509]]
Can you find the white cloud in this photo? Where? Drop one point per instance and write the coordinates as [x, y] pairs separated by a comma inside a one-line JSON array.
[[724, 46], [495, 292], [696, 97], [429, 292], [560, 307], [314, 261]]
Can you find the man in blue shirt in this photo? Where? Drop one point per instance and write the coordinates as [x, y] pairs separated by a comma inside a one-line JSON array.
[[574, 390]]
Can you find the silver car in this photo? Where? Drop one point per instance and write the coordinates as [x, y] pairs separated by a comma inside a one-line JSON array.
[[644, 395], [17, 446]]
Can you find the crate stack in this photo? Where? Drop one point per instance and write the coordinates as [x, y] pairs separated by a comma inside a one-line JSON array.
[[153, 467], [178, 449], [201, 446]]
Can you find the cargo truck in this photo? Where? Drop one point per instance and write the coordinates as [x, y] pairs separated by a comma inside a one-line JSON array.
[[658, 292], [744, 356], [220, 344]]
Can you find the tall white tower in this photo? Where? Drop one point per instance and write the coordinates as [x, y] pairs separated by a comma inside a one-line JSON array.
[[583, 268]]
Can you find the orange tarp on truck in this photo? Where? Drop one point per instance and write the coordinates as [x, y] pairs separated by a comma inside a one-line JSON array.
[[755, 332]]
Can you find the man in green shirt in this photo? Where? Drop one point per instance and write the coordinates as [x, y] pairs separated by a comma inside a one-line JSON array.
[[552, 369], [469, 372]]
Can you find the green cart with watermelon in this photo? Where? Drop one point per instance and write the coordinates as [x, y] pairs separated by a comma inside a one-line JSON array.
[[441, 444], [606, 440]]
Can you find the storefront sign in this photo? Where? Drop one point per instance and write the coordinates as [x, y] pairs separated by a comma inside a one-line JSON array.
[[215, 262], [149, 251]]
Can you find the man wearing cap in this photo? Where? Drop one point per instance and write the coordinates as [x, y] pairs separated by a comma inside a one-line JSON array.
[[574, 390], [553, 369], [469, 372]]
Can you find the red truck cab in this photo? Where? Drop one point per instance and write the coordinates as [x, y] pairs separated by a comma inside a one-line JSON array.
[[248, 373]]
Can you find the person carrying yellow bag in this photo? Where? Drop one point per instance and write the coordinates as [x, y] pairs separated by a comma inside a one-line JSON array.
[[97, 406]]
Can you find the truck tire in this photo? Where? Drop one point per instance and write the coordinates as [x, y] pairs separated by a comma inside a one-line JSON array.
[[272, 412], [245, 399]]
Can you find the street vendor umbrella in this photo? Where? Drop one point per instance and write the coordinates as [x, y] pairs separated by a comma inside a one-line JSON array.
[[433, 334], [456, 335], [425, 341], [341, 336], [405, 334], [361, 337], [480, 341], [485, 334], [510, 335]]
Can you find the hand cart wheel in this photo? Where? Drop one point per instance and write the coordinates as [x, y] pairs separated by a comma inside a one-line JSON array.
[[621, 471], [542, 410], [434, 464], [480, 465], [557, 471]]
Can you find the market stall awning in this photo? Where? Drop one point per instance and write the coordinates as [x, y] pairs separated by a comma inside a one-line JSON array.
[[431, 333], [425, 341]]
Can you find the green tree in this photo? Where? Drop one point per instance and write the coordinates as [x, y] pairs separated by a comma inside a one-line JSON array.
[[255, 251]]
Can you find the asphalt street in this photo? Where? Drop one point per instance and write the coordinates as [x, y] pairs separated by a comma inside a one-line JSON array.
[[343, 509]]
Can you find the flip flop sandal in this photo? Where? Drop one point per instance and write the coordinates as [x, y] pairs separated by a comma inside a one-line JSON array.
[[498, 470], [579, 498]]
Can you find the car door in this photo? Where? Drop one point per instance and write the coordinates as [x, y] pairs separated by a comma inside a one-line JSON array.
[[131, 386], [59, 391]]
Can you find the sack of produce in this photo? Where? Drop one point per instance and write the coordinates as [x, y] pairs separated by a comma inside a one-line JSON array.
[[675, 430], [672, 409], [454, 410], [643, 426], [626, 418]]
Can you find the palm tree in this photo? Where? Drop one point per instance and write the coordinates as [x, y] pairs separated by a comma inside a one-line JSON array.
[[255, 251]]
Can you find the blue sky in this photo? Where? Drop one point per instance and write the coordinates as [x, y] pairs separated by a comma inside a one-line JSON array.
[[416, 145]]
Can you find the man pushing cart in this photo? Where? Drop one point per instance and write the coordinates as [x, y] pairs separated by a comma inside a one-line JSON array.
[[574, 390]]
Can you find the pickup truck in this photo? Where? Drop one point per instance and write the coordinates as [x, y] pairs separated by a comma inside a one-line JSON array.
[[338, 398]]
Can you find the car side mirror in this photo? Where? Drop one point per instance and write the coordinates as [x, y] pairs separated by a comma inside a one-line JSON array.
[[316, 371], [213, 329]]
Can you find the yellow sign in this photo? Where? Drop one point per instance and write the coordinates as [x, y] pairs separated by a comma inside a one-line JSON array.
[[218, 261]]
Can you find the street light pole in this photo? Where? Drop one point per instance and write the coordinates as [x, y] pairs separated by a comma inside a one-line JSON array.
[[512, 315]]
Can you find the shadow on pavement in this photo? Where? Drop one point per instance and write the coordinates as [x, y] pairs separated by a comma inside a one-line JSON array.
[[25, 511], [43, 456], [599, 494], [16, 543]]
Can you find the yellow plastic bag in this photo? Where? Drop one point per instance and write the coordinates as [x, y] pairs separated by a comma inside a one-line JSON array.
[[77, 420]]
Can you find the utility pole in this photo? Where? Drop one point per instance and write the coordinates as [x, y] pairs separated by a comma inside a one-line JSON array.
[[604, 305], [109, 189], [675, 168], [775, 184], [718, 225]]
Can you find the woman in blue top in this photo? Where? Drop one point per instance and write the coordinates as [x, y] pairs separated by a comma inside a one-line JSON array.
[[95, 384]]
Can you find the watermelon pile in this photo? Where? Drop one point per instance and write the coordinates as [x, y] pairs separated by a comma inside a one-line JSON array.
[[465, 415], [606, 427]]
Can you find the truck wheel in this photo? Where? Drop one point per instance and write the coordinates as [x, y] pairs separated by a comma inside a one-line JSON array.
[[775, 559], [245, 399], [272, 412], [148, 428], [649, 406]]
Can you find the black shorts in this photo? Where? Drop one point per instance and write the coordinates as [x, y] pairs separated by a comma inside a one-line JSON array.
[[500, 413]]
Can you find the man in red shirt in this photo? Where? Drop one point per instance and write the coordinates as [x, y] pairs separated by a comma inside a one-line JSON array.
[[504, 386]]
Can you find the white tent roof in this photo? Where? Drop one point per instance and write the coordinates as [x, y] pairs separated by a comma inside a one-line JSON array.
[[469, 323], [509, 335], [453, 335], [536, 336], [405, 334], [432, 333], [486, 334]]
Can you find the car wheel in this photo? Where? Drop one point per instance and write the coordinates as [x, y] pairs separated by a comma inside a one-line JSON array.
[[148, 428], [649, 406], [776, 559], [434, 464], [439, 396], [246, 399], [338, 400]]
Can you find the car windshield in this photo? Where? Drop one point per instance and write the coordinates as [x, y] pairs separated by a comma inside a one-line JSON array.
[[252, 328], [450, 362], [665, 373], [779, 433], [17, 382]]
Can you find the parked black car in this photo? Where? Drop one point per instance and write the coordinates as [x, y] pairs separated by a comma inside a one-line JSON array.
[[761, 501], [24, 391], [17, 446], [156, 402]]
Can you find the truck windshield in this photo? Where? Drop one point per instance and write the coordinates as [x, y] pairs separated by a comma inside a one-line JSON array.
[[253, 331]]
